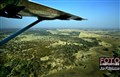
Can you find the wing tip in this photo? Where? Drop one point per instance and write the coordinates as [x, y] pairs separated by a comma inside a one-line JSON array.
[[79, 19]]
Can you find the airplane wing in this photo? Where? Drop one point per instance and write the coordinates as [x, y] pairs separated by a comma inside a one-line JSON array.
[[37, 10], [16, 8]]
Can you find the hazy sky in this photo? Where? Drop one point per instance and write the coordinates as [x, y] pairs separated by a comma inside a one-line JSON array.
[[100, 14]]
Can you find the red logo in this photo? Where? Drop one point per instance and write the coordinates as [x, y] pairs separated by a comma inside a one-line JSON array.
[[109, 63]]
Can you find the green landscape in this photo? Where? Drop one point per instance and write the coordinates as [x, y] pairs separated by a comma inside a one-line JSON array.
[[58, 53]]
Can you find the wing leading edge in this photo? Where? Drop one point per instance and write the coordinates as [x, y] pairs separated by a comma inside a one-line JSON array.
[[45, 12]]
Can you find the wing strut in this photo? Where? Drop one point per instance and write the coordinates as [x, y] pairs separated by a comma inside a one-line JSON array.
[[19, 32]]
